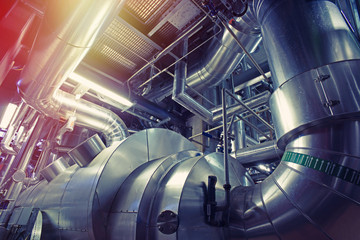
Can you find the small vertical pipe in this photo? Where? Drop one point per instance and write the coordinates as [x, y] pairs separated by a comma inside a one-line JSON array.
[[225, 133], [10, 161], [227, 185], [16, 185]]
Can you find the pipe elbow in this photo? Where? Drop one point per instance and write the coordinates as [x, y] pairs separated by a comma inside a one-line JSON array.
[[5, 148]]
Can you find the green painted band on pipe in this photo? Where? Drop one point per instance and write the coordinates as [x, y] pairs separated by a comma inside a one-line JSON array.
[[325, 166]]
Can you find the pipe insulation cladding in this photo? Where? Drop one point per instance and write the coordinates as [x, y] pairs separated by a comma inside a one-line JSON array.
[[152, 185], [314, 193], [149, 186]]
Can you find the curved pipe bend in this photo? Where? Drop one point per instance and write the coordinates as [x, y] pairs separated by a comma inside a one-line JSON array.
[[314, 193]]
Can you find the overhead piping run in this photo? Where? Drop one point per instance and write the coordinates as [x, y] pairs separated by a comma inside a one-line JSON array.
[[223, 54], [214, 115], [179, 94], [221, 58], [67, 32], [209, 116], [314, 61]]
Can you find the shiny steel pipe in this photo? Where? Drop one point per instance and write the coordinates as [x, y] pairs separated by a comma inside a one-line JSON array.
[[86, 151], [314, 61], [93, 116], [180, 96], [222, 55], [306, 201], [66, 34], [259, 153], [325, 36], [253, 102], [13, 127], [54, 169], [166, 176]]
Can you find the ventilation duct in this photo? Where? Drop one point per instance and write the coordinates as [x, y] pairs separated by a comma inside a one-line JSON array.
[[68, 30]]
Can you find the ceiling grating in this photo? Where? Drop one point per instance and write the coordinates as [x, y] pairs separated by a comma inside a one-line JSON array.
[[144, 9], [125, 48], [122, 47], [117, 58], [129, 39]]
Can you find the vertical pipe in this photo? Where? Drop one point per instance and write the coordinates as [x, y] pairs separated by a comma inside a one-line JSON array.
[[19, 175], [13, 127], [10, 161], [225, 140], [227, 185]]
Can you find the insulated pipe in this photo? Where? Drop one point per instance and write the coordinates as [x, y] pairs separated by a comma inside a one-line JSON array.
[[314, 192], [181, 97], [19, 176], [221, 58], [13, 127], [259, 153], [66, 34], [179, 94], [325, 36], [222, 55]]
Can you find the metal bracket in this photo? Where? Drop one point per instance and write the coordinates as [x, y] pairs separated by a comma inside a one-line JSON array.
[[322, 78], [331, 103]]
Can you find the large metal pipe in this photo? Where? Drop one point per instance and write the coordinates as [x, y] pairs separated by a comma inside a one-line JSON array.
[[67, 32], [220, 58], [314, 61], [179, 94], [259, 153]]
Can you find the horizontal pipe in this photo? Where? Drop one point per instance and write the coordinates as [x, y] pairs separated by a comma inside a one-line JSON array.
[[253, 102], [252, 81], [259, 153], [92, 116]]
